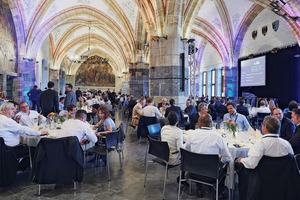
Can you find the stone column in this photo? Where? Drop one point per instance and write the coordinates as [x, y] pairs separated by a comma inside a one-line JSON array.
[[54, 77], [139, 79], [26, 79]]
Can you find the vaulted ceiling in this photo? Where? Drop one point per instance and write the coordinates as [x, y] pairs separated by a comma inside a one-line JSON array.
[[119, 29]]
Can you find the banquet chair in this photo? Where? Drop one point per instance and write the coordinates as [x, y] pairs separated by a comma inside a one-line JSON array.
[[273, 178], [260, 118], [297, 158], [183, 123], [161, 151], [142, 130], [121, 138], [154, 132], [202, 165], [104, 149], [8, 165], [58, 161]]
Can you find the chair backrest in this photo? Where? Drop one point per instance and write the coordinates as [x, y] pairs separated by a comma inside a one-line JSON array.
[[112, 139], [159, 149], [154, 129], [261, 116], [8, 165], [58, 161], [142, 130], [121, 135], [201, 164], [278, 176], [297, 158]]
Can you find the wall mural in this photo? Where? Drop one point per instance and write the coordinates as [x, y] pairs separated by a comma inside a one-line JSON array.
[[95, 71], [8, 45]]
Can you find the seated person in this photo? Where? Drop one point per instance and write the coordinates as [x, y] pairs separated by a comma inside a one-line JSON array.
[[190, 109], [137, 111], [207, 141], [71, 111], [173, 135], [263, 108], [174, 108], [212, 110], [106, 124], [61, 103], [270, 144], [150, 110], [10, 131], [221, 109], [287, 127], [29, 117], [163, 104], [241, 108], [292, 105], [295, 140], [93, 116], [202, 110], [236, 117], [79, 128]]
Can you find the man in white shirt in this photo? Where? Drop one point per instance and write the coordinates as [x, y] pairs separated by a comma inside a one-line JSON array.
[[10, 131], [262, 108], [270, 144], [29, 117], [207, 141], [150, 110], [79, 128]]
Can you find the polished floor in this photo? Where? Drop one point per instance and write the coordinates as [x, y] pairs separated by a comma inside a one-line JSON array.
[[126, 182]]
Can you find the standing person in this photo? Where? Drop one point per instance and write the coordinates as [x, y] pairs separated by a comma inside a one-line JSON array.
[[34, 95], [70, 97], [78, 93], [49, 100]]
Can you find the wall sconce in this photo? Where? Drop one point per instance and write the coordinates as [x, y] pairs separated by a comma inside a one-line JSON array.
[[166, 37], [11, 60]]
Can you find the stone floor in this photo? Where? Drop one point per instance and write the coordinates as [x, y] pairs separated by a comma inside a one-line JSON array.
[[126, 183]]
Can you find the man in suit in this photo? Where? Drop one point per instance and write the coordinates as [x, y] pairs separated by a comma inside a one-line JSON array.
[[174, 108], [295, 140], [70, 97], [49, 100], [241, 108], [202, 110], [221, 109], [163, 104], [287, 127]]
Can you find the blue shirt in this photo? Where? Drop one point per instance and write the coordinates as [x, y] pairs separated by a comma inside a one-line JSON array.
[[240, 119]]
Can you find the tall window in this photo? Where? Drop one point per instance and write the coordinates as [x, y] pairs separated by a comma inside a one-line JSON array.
[[213, 82], [204, 87], [223, 82]]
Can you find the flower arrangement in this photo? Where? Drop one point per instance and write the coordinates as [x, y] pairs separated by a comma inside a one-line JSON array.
[[231, 126], [52, 116]]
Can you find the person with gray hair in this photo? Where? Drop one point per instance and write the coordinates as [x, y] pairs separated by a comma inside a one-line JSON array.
[[202, 110], [10, 131], [270, 145]]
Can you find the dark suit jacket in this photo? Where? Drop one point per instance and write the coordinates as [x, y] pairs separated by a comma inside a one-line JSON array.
[[160, 105], [49, 102], [175, 109], [194, 120], [295, 141], [287, 128], [212, 111], [221, 110], [243, 110]]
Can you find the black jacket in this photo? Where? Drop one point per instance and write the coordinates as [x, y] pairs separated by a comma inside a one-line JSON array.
[[295, 141], [58, 161], [49, 102], [287, 128], [176, 109], [8, 165], [142, 130]]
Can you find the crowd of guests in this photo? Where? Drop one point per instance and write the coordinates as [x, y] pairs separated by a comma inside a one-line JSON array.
[[18, 119]]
